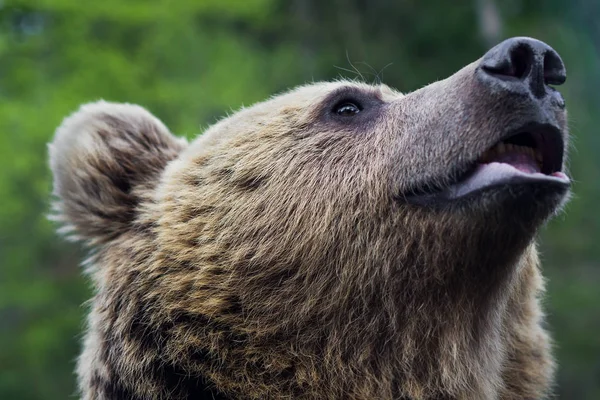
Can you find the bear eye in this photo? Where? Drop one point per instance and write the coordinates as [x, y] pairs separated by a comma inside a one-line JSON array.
[[347, 109]]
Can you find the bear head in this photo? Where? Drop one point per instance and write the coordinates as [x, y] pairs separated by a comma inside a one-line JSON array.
[[341, 240]]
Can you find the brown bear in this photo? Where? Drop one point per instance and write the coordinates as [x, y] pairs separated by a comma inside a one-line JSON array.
[[339, 241]]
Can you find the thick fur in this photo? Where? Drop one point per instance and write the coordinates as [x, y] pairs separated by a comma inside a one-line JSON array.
[[105, 158], [276, 256]]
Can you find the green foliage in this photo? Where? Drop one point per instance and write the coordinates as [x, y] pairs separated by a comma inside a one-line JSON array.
[[191, 62]]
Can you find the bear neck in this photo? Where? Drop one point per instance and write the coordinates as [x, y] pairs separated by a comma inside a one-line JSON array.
[[392, 305], [428, 322]]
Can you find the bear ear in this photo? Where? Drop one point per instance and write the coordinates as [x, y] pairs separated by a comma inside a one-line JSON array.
[[105, 157]]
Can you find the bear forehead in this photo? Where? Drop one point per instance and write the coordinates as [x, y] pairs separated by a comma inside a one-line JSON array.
[[294, 105], [307, 95]]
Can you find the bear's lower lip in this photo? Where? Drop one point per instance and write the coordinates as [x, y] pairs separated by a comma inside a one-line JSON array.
[[497, 174]]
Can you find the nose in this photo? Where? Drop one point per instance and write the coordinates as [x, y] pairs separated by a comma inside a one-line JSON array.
[[523, 64]]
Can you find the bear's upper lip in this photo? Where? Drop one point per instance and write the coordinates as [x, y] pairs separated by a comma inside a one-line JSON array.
[[532, 154]]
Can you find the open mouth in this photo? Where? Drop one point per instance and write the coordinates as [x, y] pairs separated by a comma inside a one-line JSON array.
[[531, 152], [532, 155]]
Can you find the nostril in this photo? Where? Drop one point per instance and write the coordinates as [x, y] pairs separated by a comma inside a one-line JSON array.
[[554, 69], [516, 64], [521, 58]]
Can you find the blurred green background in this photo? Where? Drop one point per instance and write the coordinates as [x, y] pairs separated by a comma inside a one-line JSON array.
[[191, 62]]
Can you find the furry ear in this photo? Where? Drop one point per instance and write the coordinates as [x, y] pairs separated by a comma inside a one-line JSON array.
[[104, 158]]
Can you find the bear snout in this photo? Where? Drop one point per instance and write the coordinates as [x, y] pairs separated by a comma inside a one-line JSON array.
[[497, 123]]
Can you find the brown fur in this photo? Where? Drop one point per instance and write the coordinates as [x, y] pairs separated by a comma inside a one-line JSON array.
[[275, 257]]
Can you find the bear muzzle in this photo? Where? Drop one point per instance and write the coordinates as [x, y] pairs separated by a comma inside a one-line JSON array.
[[513, 123]]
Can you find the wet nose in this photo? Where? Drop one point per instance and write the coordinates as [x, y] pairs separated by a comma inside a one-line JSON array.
[[523, 64]]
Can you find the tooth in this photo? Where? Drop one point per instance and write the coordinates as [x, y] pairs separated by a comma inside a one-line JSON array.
[[501, 148]]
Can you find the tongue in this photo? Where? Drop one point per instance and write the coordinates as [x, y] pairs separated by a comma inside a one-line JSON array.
[[506, 168], [523, 162]]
